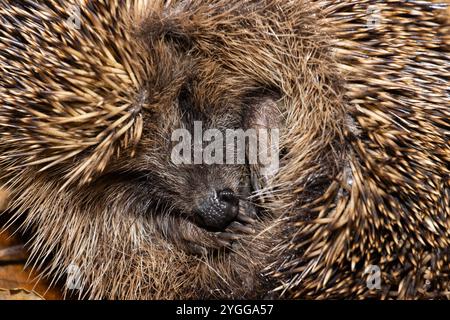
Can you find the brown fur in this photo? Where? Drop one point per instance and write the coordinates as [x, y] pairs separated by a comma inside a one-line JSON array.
[[85, 127]]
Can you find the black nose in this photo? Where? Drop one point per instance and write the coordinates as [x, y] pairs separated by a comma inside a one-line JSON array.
[[218, 210]]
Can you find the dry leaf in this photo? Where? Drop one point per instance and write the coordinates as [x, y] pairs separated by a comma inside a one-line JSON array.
[[13, 273], [19, 294]]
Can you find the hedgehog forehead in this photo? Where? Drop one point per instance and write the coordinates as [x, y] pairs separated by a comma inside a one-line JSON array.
[[187, 87], [209, 105]]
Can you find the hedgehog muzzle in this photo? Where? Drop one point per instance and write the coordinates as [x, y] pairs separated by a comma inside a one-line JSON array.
[[217, 210]]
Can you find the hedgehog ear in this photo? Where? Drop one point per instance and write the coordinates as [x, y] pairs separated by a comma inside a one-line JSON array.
[[264, 114]]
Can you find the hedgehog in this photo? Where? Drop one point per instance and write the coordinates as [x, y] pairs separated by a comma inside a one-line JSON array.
[[92, 91]]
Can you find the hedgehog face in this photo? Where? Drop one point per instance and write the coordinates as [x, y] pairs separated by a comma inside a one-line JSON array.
[[189, 112], [204, 193]]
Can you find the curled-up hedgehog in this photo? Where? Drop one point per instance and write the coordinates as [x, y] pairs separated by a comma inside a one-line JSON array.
[[91, 93]]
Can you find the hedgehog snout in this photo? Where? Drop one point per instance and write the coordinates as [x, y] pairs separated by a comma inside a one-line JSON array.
[[217, 210]]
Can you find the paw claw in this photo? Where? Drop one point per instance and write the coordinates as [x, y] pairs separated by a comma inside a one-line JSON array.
[[237, 227], [228, 236], [245, 219]]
